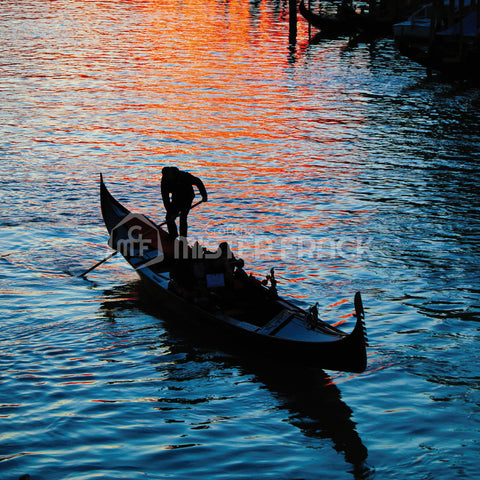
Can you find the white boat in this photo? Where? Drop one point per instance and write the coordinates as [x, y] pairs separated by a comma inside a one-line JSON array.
[[417, 27], [422, 25], [468, 28]]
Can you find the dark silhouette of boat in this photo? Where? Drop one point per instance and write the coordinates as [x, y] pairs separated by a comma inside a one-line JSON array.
[[214, 292], [348, 22], [443, 37]]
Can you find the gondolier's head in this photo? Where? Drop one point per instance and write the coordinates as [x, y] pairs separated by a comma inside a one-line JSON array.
[[170, 172]]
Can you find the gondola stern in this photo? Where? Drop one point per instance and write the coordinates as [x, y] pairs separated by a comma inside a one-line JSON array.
[[358, 338], [354, 351]]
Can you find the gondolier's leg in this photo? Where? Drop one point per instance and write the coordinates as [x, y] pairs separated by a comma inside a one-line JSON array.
[[179, 207], [183, 222], [184, 208], [172, 227]]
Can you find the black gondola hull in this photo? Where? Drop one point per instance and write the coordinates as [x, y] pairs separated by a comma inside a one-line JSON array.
[[284, 333]]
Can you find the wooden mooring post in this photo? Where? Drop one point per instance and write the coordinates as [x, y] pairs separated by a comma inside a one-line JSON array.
[[292, 22]]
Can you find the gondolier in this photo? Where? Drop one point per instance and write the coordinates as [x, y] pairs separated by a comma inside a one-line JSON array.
[[178, 194]]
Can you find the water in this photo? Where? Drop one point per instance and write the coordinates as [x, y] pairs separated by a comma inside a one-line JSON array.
[[344, 168]]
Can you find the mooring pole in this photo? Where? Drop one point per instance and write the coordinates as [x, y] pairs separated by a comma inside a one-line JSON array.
[[309, 24], [292, 23]]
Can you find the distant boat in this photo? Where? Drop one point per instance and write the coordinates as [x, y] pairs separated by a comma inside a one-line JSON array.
[[456, 50], [329, 24], [413, 36], [442, 38], [467, 27], [348, 23], [417, 27]]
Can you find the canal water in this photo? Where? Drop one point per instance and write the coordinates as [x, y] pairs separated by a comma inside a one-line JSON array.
[[343, 167]]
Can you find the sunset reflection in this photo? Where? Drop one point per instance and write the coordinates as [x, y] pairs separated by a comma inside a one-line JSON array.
[[191, 84], [226, 117]]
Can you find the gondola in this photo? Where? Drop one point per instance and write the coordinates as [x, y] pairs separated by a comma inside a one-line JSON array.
[[328, 24], [212, 290], [350, 23]]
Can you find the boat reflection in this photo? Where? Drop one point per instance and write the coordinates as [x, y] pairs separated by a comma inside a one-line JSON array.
[[311, 400], [315, 406]]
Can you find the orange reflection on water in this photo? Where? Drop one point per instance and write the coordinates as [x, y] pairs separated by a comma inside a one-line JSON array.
[[78, 382], [205, 91], [208, 73]]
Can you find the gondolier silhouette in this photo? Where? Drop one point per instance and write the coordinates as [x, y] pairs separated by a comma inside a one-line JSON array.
[[178, 194]]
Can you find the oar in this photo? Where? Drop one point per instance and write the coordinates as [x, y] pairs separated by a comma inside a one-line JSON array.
[[116, 251], [98, 264]]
